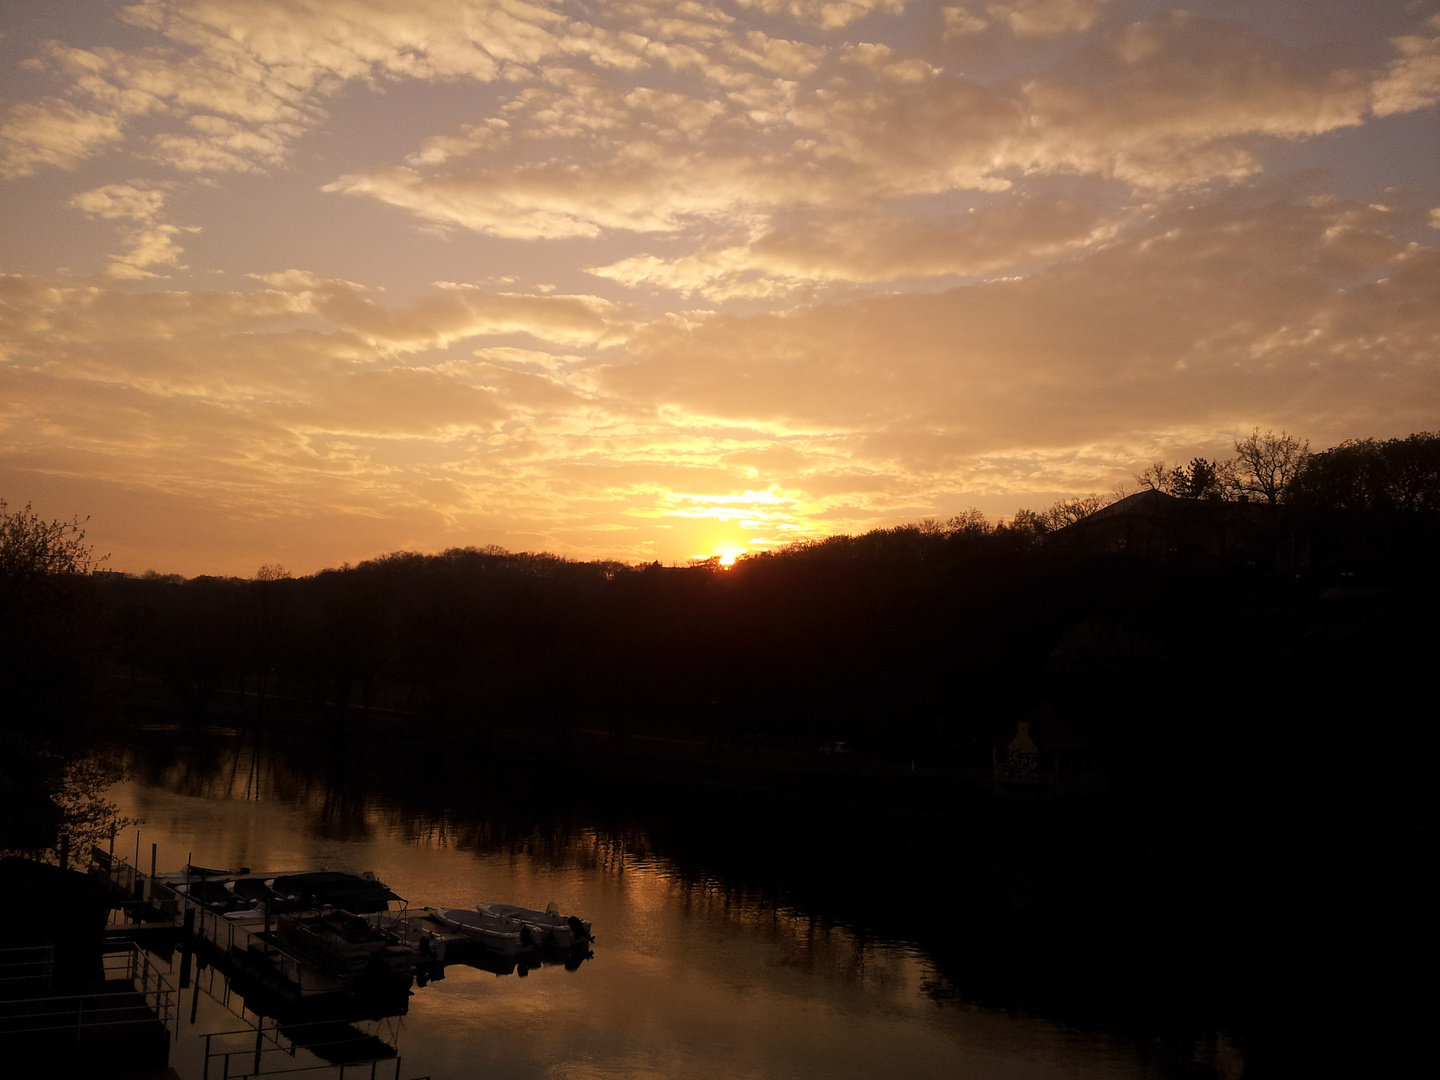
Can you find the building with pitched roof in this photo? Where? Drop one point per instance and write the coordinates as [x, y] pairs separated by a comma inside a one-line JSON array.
[[1153, 525], [1043, 751]]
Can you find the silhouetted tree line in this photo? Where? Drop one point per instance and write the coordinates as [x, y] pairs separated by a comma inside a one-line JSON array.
[[920, 642], [1264, 467]]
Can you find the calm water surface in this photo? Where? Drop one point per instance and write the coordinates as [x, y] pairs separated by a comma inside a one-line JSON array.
[[690, 977]]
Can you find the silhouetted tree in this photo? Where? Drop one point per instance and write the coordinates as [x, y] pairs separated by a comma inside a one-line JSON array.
[[1267, 464], [48, 654], [1068, 511], [45, 654], [1156, 476], [34, 550], [1200, 479], [1364, 475], [1028, 524]]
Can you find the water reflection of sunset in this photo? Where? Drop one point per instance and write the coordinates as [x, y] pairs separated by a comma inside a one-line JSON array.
[[693, 974]]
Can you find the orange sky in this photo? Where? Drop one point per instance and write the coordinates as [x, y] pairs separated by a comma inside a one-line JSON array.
[[305, 281]]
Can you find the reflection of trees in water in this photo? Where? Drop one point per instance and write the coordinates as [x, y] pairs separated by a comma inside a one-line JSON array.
[[1041, 917], [227, 765], [754, 862], [322, 780], [803, 941], [249, 754], [556, 843], [186, 767], [342, 815]]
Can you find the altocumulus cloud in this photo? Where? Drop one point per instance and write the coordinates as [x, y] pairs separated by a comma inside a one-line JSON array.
[[627, 280]]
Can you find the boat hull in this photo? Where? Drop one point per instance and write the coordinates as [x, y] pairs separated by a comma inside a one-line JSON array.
[[496, 933], [549, 929]]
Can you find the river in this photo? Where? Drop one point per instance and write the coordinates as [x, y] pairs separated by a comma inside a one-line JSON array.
[[705, 964]]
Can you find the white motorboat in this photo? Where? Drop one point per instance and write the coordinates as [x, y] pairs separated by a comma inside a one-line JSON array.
[[548, 928], [498, 933]]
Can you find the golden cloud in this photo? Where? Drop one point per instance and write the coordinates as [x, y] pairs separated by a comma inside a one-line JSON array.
[[820, 172], [829, 14], [1160, 104], [53, 132], [1413, 81], [1166, 324]]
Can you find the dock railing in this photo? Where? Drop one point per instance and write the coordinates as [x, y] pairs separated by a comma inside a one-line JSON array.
[[26, 971], [120, 875], [242, 1064], [156, 899], [149, 999]]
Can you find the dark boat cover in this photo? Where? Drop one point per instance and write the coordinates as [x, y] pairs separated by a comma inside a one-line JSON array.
[[338, 889]]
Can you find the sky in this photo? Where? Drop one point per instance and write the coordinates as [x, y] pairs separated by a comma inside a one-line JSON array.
[[308, 281]]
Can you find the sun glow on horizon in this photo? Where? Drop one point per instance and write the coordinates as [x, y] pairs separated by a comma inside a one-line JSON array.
[[729, 553]]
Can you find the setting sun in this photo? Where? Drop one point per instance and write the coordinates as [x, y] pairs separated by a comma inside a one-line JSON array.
[[728, 554]]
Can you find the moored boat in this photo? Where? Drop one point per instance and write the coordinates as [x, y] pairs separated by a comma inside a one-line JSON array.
[[358, 893], [418, 928], [345, 945], [498, 933], [548, 928], [191, 870], [212, 895]]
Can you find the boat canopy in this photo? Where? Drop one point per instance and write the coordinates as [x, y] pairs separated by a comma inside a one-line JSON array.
[[338, 889]]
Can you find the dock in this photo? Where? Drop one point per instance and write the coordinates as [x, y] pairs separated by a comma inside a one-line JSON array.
[[94, 1001], [153, 910]]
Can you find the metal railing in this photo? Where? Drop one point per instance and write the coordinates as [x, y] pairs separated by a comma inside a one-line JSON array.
[[121, 875], [152, 899], [238, 939], [252, 1060], [149, 1000], [226, 935], [126, 960], [26, 964]]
